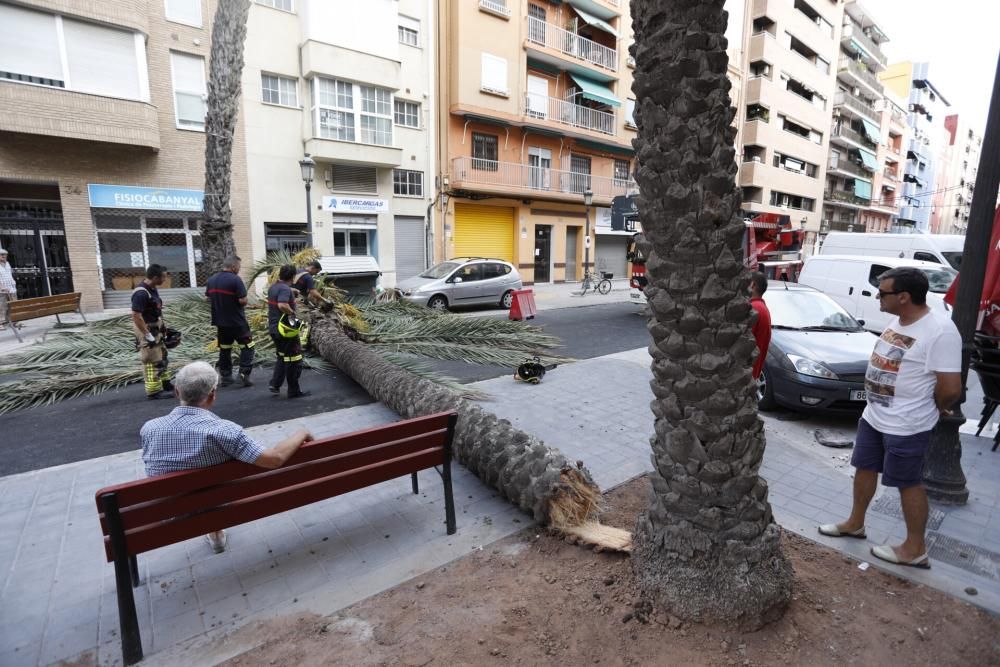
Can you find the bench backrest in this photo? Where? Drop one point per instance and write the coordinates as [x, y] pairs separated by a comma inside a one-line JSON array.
[[29, 309], [163, 510]]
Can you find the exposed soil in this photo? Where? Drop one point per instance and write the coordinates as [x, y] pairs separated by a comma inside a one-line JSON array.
[[533, 599]]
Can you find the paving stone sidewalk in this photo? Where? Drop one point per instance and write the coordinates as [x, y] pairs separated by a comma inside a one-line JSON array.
[[57, 599]]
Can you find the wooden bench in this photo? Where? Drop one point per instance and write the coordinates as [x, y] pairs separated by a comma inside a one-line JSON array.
[[140, 516], [42, 306]]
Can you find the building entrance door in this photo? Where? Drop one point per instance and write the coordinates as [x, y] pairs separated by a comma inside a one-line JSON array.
[[572, 238], [543, 245], [32, 233]]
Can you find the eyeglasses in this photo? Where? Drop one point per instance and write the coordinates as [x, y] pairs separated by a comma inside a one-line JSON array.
[[882, 293]]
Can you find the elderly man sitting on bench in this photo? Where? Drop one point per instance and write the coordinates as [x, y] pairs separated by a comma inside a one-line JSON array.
[[192, 437]]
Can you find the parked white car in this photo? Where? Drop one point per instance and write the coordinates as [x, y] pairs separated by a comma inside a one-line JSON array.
[[464, 281]]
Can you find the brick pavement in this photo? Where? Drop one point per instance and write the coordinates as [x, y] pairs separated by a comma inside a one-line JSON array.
[[58, 599]]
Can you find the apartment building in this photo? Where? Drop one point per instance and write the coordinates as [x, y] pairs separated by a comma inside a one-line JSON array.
[[790, 67], [351, 85], [866, 133], [102, 108], [956, 176], [926, 105], [536, 112]]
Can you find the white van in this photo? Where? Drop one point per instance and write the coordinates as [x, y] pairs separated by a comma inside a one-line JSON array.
[[939, 248], [852, 282]]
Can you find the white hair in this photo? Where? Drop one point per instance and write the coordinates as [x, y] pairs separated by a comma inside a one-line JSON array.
[[195, 382]]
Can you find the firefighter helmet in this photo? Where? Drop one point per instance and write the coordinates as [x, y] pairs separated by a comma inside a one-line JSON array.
[[289, 326], [171, 338]]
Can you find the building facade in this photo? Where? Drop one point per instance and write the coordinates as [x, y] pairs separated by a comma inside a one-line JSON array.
[[790, 68], [102, 145], [350, 84], [530, 120], [926, 105], [956, 178]]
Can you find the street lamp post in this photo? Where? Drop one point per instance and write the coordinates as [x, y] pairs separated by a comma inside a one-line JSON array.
[[943, 475], [308, 167], [588, 199]]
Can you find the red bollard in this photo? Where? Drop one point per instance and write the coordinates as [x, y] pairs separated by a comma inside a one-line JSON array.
[[523, 306]]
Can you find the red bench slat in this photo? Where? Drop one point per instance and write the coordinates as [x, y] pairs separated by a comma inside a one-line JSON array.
[[265, 481], [151, 537]]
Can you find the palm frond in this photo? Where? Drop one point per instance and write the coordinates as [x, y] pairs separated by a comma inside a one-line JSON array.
[[483, 330], [33, 392], [470, 354], [420, 368]]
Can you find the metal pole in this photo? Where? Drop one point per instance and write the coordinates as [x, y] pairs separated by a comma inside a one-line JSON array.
[[309, 212], [943, 475], [586, 246]]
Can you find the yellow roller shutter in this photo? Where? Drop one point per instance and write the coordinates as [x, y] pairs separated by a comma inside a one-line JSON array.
[[484, 231]]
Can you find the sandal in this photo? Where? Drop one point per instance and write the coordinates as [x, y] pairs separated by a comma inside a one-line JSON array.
[[888, 554], [831, 530]]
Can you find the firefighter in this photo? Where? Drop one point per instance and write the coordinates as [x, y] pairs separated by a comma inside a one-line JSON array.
[[150, 331], [285, 329], [228, 296], [305, 283]]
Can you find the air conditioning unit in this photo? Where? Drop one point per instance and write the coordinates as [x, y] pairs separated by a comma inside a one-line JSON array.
[[630, 61], [856, 92], [756, 158]]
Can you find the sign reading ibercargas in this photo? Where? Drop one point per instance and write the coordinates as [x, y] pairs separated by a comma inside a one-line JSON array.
[[155, 199], [355, 204]]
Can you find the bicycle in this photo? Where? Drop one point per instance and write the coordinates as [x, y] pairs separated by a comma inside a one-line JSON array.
[[602, 286]]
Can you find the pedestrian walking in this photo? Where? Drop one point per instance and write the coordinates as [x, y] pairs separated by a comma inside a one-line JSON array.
[[193, 437], [150, 331], [8, 290], [228, 296], [762, 324], [914, 376], [285, 328]]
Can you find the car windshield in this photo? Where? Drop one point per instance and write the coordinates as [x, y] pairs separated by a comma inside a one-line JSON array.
[[440, 270], [954, 258], [939, 280], [800, 309]]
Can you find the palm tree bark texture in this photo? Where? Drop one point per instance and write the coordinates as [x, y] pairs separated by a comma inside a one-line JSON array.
[[535, 477], [229, 30], [708, 548]]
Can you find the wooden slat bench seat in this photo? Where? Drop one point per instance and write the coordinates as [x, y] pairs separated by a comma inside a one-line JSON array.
[[143, 515], [42, 306]]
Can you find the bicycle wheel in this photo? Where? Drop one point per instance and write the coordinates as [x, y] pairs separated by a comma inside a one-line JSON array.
[[604, 286]]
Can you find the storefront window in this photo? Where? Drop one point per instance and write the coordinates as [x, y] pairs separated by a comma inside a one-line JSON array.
[[129, 243]]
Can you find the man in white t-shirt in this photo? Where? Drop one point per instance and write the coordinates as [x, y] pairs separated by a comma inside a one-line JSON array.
[[914, 376]]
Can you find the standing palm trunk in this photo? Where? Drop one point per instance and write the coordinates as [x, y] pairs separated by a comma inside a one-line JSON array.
[[708, 548], [229, 30]]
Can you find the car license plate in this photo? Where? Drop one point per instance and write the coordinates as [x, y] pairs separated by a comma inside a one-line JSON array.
[[859, 395]]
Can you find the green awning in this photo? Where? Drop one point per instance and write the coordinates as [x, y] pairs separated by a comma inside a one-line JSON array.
[[862, 188], [543, 67], [868, 159], [873, 131], [595, 91], [593, 20], [858, 47], [610, 148]]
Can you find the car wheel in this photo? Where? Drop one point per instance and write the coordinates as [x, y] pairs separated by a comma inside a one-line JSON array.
[[438, 302], [507, 300], [765, 392]]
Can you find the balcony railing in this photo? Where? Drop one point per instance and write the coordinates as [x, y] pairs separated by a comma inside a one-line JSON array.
[[852, 31], [860, 71], [841, 226], [847, 197], [571, 44], [568, 113], [537, 178], [848, 167], [844, 98], [850, 133], [498, 7]]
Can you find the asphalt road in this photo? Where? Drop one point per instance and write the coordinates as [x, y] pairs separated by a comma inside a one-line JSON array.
[[96, 426]]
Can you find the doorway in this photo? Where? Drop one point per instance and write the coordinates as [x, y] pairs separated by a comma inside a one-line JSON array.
[[33, 234], [572, 238], [543, 245]]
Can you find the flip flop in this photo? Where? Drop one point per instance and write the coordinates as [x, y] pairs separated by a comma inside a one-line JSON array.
[[888, 554], [831, 530]]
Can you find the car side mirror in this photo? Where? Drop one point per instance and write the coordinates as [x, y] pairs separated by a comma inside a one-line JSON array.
[[456, 279], [861, 322]]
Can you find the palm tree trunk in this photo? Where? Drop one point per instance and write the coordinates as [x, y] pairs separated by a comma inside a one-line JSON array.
[[535, 477], [708, 547], [229, 30]]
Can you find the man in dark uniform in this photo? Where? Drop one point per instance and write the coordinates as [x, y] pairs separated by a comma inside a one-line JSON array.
[[228, 296], [284, 328], [149, 330], [305, 283]]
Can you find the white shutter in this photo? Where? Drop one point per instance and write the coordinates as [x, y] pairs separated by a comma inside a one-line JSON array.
[[346, 178], [189, 89], [29, 46], [538, 96], [630, 112], [101, 60], [494, 74], [184, 11]]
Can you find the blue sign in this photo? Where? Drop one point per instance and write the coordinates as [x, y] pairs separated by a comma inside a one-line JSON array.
[[156, 199]]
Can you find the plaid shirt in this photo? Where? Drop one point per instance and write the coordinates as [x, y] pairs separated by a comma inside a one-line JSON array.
[[7, 283], [192, 437]]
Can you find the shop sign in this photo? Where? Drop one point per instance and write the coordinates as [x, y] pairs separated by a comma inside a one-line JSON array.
[[355, 204], [156, 199]]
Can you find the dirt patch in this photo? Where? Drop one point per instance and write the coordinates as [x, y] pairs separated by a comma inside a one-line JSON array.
[[533, 599]]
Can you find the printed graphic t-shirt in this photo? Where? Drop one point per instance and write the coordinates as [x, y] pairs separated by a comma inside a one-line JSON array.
[[901, 373]]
